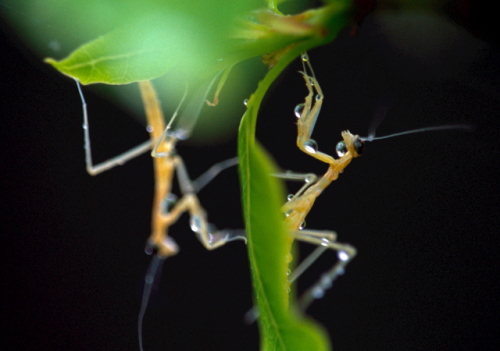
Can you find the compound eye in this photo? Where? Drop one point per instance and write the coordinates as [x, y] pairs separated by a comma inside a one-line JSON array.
[[341, 149], [359, 145]]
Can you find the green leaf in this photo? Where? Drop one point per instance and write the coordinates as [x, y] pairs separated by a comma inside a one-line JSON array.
[[124, 56], [193, 36], [198, 38]]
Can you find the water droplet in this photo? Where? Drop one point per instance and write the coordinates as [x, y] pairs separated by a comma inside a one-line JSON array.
[[211, 232], [309, 179], [289, 197], [341, 149], [288, 272], [298, 110], [326, 281], [54, 45], [343, 256], [85, 126], [168, 202], [325, 242], [302, 225], [287, 213], [245, 102], [195, 223], [318, 292], [210, 238], [149, 129], [311, 146], [304, 57], [150, 248], [182, 134], [318, 97]]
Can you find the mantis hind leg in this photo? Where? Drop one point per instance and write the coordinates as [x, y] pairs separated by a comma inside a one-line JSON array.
[[324, 240]]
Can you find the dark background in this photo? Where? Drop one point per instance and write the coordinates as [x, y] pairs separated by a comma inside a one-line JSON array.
[[422, 210]]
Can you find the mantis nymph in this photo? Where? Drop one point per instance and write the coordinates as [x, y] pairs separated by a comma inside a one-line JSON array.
[[166, 207], [300, 204]]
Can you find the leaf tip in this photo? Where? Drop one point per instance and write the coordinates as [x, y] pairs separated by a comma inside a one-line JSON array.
[[51, 61]]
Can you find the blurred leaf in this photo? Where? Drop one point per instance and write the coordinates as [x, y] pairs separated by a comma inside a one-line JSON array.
[[199, 38], [192, 36]]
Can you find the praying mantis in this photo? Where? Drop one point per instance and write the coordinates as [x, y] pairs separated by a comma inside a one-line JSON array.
[[166, 209], [300, 204]]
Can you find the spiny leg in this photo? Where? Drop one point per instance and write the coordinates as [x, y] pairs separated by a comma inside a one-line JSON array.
[[308, 112], [114, 161]]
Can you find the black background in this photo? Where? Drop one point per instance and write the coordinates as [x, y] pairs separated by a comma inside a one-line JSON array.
[[422, 210]]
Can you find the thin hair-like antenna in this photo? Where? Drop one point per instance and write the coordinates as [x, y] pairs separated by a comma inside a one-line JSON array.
[[190, 116], [174, 116], [212, 172], [188, 119], [167, 129], [420, 130], [380, 115], [153, 270]]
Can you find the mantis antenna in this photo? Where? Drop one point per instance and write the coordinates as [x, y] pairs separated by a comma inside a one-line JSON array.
[[466, 127]]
